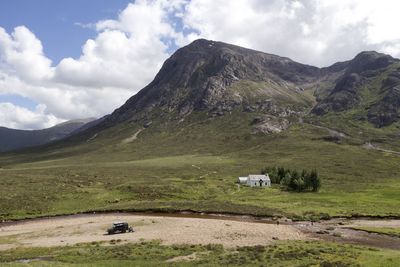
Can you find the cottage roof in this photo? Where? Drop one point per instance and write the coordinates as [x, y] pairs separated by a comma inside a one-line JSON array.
[[258, 177]]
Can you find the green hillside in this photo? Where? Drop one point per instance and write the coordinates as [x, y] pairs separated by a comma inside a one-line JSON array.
[[194, 164]]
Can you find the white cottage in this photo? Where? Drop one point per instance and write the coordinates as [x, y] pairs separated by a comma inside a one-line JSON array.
[[259, 180]]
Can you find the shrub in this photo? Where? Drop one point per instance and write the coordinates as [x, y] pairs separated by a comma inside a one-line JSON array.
[[315, 181], [293, 180], [273, 174]]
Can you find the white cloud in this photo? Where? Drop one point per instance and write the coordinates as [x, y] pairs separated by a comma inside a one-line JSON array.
[[122, 59], [113, 59], [22, 53], [65, 101], [128, 51], [21, 118], [318, 32]]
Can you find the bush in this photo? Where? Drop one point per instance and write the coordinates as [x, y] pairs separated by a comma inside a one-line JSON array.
[[293, 180], [315, 181]]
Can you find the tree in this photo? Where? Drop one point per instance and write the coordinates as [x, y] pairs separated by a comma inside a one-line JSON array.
[[306, 177], [315, 181], [294, 180], [273, 174], [295, 176], [264, 170], [299, 183], [286, 180], [281, 173]]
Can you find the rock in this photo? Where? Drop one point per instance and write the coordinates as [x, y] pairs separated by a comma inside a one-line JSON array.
[[391, 81], [257, 120], [369, 61], [347, 93], [344, 96], [249, 109], [270, 125], [359, 117], [332, 138], [386, 111], [216, 114], [147, 124]]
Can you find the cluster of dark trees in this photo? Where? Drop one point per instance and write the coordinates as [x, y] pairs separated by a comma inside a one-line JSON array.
[[294, 180]]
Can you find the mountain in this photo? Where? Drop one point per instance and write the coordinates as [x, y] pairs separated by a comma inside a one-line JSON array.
[[266, 92], [12, 139], [217, 77], [215, 112], [91, 122], [370, 82], [219, 82]]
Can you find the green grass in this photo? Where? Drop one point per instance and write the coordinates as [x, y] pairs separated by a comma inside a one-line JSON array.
[[153, 253], [392, 231], [9, 239], [193, 165]]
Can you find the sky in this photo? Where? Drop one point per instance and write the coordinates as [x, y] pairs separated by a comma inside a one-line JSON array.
[[70, 59]]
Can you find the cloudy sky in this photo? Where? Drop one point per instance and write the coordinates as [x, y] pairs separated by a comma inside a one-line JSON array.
[[71, 59]]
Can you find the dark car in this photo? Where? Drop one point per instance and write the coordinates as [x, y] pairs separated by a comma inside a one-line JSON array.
[[119, 227]]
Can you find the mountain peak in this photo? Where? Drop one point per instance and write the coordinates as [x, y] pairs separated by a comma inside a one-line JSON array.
[[217, 78], [370, 61], [201, 43], [383, 102], [370, 54], [201, 76]]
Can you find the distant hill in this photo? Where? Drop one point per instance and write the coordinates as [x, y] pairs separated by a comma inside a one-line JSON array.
[[12, 139]]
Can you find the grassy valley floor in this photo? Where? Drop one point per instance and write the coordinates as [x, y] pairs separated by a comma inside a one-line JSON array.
[[300, 253], [196, 168]]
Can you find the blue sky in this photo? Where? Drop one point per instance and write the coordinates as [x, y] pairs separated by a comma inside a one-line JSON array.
[[55, 24], [53, 69], [53, 21], [19, 100], [58, 25]]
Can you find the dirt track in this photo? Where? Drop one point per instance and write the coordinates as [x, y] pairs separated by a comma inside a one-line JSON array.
[[69, 230]]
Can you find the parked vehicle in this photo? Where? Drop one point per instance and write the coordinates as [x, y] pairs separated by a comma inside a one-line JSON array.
[[119, 227]]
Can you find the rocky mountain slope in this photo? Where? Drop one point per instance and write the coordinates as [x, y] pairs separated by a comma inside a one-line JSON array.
[[218, 78], [11, 139], [369, 86], [265, 93]]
